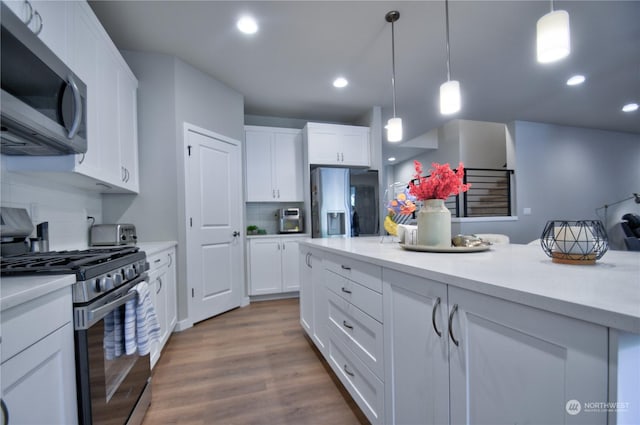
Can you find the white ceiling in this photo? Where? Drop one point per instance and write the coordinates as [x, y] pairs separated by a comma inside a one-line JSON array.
[[286, 69]]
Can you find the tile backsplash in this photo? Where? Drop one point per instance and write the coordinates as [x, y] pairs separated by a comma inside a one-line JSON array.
[[66, 208], [265, 214]]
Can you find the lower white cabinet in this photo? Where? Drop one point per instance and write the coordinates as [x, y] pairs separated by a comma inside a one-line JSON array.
[[38, 363], [457, 356], [314, 308], [273, 265], [162, 283]]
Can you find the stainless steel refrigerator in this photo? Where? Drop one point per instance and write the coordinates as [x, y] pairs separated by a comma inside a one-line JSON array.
[[344, 202]]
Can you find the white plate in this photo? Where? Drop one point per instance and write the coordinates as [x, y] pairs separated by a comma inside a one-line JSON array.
[[459, 249]]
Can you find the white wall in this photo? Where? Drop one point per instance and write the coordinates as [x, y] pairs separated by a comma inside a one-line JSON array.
[[66, 208], [482, 144]]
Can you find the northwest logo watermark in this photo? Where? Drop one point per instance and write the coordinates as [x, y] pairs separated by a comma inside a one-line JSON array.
[[574, 407]]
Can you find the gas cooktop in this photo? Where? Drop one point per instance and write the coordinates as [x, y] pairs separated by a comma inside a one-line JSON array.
[[83, 263]]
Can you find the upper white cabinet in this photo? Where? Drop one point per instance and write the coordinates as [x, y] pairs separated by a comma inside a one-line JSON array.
[[457, 356], [332, 144], [110, 164], [273, 164]]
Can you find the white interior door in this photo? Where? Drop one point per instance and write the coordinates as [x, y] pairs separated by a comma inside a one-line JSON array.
[[214, 220]]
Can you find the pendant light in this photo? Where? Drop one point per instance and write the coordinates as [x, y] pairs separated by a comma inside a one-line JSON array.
[[394, 125], [449, 91], [553, 40]]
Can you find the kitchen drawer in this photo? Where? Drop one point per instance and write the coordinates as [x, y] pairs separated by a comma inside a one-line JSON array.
[[358, 331], [159, 260], [365, 388], [362, 297], [363, 273], [28, 323]]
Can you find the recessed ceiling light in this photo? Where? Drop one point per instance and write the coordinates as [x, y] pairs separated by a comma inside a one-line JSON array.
[[247, 25], [340, 82], [391, 158], [575, 80], [630, 107]]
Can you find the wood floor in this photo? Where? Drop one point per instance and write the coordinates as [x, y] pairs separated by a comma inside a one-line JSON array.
[[252, 365]]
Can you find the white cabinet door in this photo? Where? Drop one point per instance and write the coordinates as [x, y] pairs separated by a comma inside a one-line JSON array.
[[128, 130], [323, 145], [265, 268], [517, 364], [416, 349], [306, 290], [162, 285], [332, 144], [108, 112], [54, 28], [287, 166], [38, 384], [355, 146], [171, 288], [259, 187], [290, 266]]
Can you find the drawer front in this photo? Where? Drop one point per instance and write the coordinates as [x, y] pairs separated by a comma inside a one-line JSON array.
[[158, 261], [362, 297], [362, 334], [28, 323], [365, 388], [365, 274]]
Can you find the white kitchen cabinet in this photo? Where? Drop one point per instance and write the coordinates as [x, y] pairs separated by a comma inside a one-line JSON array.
[[273, 164], [38, 363], [273, 266], [506, 357], [333, 144], [47, 18], [314, 308], [110, 164], [162, 284]]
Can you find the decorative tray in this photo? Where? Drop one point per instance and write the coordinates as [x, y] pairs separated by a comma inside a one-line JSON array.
[[458, 249]]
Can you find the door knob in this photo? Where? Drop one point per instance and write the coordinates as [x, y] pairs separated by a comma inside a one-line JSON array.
[[236, 234]]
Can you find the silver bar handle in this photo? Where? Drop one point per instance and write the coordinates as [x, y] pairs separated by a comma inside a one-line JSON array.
[[345, 267], [159, 287], [5, 412], [273, 193], [345, 290], [28, 21], [308, 260], [77, 108], [346, 325], [338, 156], [97, 314], [433, 317], [40, 23], [453, 311], [170, 260]]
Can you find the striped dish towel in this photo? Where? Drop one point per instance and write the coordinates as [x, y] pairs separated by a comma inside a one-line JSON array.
[[141, 323], [113, 341]]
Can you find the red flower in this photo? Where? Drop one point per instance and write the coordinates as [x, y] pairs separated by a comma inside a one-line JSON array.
[[442, 183]]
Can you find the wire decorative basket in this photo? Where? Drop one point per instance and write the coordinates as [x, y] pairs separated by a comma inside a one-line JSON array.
[[574, 242]]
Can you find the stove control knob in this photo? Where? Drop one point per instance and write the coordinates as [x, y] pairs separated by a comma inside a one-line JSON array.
[[106, 283], [129, 273], [117, 279]]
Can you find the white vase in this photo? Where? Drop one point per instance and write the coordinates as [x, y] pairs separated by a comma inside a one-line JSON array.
[[434, 224]]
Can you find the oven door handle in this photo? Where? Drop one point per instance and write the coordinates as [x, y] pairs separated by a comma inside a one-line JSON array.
[[87, 317]]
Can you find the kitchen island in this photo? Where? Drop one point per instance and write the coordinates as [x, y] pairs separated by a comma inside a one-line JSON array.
[[501, 336]]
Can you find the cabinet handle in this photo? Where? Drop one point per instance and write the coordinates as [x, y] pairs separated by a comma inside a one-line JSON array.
[[81, 160], [159, 287], [346, 325], [273, 193], [278, 193], [28, 21], [338, 156], [433, 317], [170, 260], [342, 156], [347, 371], [346, 291], [40, 23], [345, 267], [308, 260], [453, 311], [77, 105], [283, 246], [5, 411], [158, 260]]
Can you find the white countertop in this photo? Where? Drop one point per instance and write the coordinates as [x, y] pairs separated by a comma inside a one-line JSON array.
[[280, 235], [151, 248], [17, 290], [607, 293]]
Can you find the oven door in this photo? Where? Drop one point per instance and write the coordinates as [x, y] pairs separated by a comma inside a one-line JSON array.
[[110, 383]]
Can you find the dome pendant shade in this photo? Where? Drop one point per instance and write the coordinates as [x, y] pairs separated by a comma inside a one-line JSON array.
[[394, 129], [553, 41], [450, 97]]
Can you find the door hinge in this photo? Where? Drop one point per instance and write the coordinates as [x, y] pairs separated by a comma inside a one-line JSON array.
[[190, 221], [193, 293], [189, 149]]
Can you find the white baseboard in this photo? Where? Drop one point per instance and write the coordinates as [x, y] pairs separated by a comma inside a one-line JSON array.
[[245, 301], [182, 325], [280, 296]]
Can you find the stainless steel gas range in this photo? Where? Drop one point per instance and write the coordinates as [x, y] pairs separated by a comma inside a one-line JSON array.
[[113, 388]]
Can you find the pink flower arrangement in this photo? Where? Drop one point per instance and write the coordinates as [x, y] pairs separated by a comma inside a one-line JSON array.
[[442, 183]]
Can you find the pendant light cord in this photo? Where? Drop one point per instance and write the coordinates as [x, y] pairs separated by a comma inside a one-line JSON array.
[[551, 1], [393, 68], [446, 10]]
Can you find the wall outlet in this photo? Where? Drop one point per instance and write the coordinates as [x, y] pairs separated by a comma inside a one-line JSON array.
[[526, 211]]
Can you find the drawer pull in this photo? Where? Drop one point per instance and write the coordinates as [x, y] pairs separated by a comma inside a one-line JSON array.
[[347, 371], [433, 317], [346, 325], [453, 311], [158, 260], [346, 291], [345, 267]]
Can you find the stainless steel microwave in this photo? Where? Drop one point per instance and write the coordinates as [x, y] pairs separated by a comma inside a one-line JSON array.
[[43, 103]]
